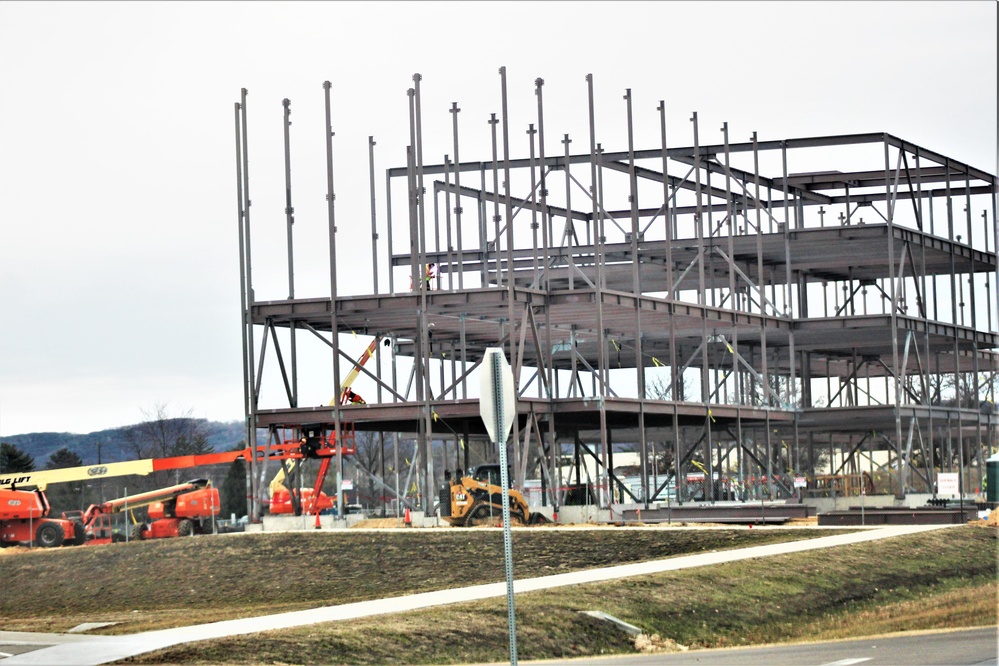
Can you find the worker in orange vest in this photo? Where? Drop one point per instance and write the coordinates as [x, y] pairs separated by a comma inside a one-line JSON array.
[[351, 398]]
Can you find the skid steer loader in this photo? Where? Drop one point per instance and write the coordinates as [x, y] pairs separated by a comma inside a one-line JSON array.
[[477, 499]]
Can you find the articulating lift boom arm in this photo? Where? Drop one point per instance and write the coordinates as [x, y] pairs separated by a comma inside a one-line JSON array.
[[285, 451]]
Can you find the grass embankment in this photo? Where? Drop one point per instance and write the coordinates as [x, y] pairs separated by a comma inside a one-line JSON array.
[[939, 579], [176, 582]]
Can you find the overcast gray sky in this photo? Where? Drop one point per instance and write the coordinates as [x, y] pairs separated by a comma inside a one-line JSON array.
[[119, 280]]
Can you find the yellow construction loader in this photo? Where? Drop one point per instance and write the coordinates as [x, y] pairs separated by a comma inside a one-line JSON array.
[[477, 499]]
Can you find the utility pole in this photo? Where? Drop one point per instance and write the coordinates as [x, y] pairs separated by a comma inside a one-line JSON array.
[[100, 480]]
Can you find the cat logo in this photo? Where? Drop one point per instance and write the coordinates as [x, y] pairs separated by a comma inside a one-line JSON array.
[[97, 471]]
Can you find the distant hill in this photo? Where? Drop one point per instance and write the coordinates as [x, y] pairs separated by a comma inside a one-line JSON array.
[[222, 436]]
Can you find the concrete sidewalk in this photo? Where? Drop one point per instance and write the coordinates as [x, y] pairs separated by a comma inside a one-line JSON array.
[[104, 649]]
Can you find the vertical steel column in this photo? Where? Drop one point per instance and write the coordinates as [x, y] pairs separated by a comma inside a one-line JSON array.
[[388, 231], [374, 271], [988, 293], [374, 221], [699, 235], [924, 315], [601, 278], [974, 326], [995, 245], [770, 456], [493, 121], [546, 232], [596, 195], [248, 425], [511, 295], [289, 212], [536, 274], [437, 228], [381, 459], [416, 270], [730, 214], [991, 325], [447, 223], [636, 281], [423, 355], [893, 297], [335, 343], [546, 286], [255, 489], [395, 466], [679, 479], [675, 379], [954, 279], [569, 231], [670, 232], [789, 306], [509, 217], [457, 201], [481, 212], [702, 301]]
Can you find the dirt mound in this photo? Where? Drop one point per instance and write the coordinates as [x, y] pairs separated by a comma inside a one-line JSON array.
[[811, 520], [656, 643], [14, 550], [991, 520], [379, 522]]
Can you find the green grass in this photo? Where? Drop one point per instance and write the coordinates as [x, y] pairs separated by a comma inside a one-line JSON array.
[[176, 582], [939, 579]]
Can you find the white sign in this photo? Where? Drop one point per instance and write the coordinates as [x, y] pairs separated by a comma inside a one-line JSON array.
[[799, 482], [497, 395], [348, 484], [947, 484]]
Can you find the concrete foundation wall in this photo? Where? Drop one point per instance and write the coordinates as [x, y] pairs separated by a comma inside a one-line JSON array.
[[297, 523], [580, 514], [824, 504]]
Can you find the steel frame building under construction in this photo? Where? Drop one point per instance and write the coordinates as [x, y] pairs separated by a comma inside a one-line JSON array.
[[760, 311]]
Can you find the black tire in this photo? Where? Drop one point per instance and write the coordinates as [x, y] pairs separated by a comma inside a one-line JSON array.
[[79, 533], [135, 532], [185, 528], [49, 535]]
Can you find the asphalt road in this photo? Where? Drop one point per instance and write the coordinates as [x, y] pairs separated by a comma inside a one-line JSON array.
[[964, 647]]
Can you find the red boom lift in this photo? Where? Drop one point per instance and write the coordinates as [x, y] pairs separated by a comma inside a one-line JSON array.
[[24, 520], [180, 510], [24, 509]]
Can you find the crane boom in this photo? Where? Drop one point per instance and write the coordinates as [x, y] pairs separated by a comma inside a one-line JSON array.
[[355, 371], [284, 451], [145, 499]]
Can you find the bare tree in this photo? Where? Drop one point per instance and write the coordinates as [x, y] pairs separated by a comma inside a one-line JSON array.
[[163, 435], [368, 458], [657, 387]]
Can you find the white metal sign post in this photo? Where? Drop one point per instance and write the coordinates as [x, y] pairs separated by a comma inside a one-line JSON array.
[[498, 408]]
